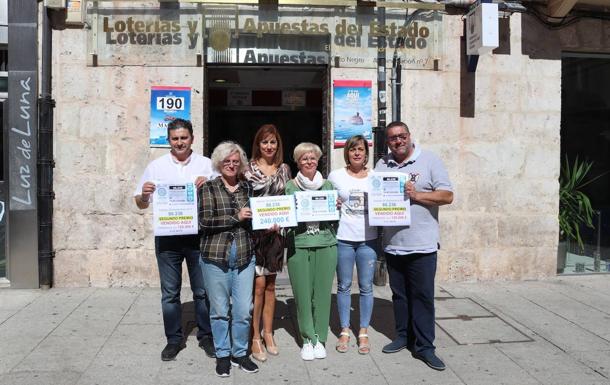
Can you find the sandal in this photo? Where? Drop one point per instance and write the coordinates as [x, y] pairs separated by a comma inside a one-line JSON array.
[[342, 346], [260, 356], [271, 347], [363, 347]]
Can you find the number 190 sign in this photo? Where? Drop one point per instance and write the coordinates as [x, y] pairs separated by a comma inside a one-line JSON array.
[[167, 104]]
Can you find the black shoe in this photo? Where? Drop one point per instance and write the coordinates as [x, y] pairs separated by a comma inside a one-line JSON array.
[[245, 364], [170, 351], [430, 359], [223, 367], [395, 346], [207, 344]]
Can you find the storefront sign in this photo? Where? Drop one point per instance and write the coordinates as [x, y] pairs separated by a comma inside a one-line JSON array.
[[22, 147], [74, 11], [352, 110], [167, 104], [294, 98], [23, 140], [250, 48], [482, 29], [237, 97], [297, 36], [145, 36]]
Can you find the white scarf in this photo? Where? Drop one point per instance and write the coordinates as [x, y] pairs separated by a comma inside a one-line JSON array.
[[304, 183]]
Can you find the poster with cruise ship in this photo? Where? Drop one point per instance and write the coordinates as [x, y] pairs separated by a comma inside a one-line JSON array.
[[352, 106]]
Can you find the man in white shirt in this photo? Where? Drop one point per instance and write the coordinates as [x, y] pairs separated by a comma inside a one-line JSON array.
[[180, 164], [411, 251]]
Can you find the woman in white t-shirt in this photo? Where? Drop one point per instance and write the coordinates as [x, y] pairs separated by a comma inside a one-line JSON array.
[[356, 241]]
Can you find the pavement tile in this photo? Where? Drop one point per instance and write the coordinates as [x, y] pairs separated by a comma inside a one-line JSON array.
[[41, 316], [598, 283], [443, 340], [18, 299], [136, 375], [597, 360], [134, 340], [144, 313], [441, 292], [485, 365], [597, 299], [99, 314], [40, 378], [348, 368], [6, 314], [550, 365], [481, 331], [456, 307], [66, 353], [582, 314], [524, 314], [402, 368]]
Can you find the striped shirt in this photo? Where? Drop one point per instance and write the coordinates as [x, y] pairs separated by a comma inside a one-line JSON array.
[[219, 224]]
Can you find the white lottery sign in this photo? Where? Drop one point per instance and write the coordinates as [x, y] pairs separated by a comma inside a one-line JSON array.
[[273, 210], [317, 206], [175, 209], [387, 203]]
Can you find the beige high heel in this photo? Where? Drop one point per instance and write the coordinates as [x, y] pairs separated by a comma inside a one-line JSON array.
[[271, 348], [260, 356], [363, 347], [342, 346]]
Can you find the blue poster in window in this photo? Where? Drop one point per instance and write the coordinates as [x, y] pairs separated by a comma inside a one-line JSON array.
[[167, 104], [352, 110]]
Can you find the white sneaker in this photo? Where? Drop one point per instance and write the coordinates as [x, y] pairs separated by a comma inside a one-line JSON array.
[[307, 351], [319, 351]]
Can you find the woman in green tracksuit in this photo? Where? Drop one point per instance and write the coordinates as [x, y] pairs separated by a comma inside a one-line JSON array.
[[312, 258]]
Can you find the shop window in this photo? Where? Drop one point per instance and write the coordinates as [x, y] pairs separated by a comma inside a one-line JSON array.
[[585, 134]]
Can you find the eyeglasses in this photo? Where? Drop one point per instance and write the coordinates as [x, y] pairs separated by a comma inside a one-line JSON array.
[[396, 138], [308, 159], [229, 162]]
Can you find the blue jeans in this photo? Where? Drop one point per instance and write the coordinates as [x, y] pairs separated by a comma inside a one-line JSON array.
[[412, 283], [170, 252], [364, 256], [230, 292]]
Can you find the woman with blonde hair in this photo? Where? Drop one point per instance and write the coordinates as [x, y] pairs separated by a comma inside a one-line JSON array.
[[267, 175], [312, 258]]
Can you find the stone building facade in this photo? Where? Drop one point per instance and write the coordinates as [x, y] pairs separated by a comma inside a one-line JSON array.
[[498, 131]]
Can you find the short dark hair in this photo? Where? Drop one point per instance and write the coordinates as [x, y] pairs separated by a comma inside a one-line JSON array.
[[179, 123], [396, 124], [353, 142]]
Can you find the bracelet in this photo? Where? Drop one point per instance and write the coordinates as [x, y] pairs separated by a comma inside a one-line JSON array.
[[142, 199]]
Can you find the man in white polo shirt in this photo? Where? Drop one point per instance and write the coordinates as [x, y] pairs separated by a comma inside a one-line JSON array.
[[410, 251], [180, 164]]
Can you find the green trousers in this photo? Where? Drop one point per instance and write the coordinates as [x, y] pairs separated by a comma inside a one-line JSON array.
[[311, 272]]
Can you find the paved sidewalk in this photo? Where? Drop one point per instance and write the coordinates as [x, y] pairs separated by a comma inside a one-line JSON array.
[[537, 332]]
